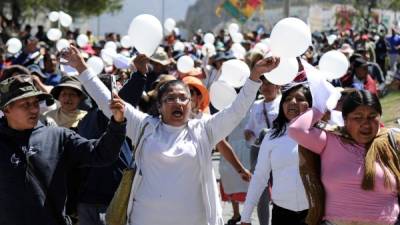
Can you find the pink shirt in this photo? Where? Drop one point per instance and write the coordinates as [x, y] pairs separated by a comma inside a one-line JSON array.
[[342, 170]]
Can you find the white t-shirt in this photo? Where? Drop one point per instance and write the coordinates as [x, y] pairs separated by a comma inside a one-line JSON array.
[[257, 120], [171, 174]]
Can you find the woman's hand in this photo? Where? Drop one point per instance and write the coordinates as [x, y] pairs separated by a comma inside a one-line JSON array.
[[248, 134], [245, 175], [117, 107], [263, 66], [74, 59], [141, 63]]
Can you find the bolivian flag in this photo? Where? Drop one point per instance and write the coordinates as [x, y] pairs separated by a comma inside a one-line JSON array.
[[240, 9]]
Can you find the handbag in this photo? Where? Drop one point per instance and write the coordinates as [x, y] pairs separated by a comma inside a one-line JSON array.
[[116, 213], [395, 146]]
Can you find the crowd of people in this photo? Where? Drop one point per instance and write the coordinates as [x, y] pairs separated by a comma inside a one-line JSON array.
[[66, 138]]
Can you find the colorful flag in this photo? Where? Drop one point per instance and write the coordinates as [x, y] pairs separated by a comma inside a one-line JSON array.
[[240, 9]]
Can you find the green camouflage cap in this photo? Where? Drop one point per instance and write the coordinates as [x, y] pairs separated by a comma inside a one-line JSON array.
[[19, 87]]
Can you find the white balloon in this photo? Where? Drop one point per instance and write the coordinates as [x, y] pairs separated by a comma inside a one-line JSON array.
[[61, 44], [126, 42], [208, 50], [146, 33], [261, 46], [121, 62], [54, 34], [331, 38], [324, 95], [82, 40], [334, 64], [237, 37], [169, 25], [185, 64], [96, 64], [290, 37], [235, 72], [233, 28], [108, 55], [110, 44], [285, 72], [65, 19], [53, 16], [177, 31], [14, 45], [266, 41], [238, 49], [209, 38], [179, 46], [222, 94]]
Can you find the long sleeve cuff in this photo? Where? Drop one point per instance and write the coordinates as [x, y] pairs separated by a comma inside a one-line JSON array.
[[116, 127]]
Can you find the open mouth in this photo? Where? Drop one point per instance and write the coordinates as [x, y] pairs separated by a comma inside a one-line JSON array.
[[365, 133], [293, 110], [177, 113]]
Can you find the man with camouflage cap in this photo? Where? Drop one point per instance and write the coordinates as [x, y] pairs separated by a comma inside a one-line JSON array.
[[34, 159]]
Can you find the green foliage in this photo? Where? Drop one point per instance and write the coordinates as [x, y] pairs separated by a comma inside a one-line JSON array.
[[394, 5]]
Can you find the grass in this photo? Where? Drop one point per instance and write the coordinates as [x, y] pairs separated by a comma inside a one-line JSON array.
[[391, 108]]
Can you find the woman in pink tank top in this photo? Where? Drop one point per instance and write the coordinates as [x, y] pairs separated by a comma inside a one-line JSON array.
[[359, 167]]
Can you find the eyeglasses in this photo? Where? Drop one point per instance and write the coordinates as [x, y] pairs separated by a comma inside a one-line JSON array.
[[176, 99]]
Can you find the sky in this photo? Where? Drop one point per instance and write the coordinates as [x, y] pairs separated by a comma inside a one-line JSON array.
[[119, 22]]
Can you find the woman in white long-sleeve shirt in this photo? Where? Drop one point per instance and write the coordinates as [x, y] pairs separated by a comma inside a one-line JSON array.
[[279, 154], [175, 183]]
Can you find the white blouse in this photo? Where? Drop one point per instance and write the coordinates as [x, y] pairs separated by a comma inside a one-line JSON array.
[[279, 155], [257, 120], [176, 170]]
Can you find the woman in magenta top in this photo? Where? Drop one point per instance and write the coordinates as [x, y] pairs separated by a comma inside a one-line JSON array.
[[359, 170]]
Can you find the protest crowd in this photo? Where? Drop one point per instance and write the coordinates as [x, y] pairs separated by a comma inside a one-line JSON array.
[[121, 130]]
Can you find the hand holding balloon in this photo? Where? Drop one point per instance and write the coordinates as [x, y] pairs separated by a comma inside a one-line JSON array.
[[74, 59], [263, 66]]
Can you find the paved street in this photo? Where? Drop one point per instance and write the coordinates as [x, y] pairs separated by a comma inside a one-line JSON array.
[[226, 206]]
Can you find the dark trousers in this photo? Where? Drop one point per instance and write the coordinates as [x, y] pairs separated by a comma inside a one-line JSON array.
[[282, 216], [91, 214]]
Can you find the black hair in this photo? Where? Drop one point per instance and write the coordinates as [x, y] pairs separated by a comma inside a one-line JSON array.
[[164, 88], [280, 123], [360, 98]]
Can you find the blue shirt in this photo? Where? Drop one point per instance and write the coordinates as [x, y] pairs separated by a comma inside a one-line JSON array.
[[53, 79], [394, 41]]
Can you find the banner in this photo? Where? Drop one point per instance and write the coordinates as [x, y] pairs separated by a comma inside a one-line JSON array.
[[239, 9]]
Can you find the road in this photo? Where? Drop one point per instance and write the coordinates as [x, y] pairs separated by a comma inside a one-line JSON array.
[[226, 206]]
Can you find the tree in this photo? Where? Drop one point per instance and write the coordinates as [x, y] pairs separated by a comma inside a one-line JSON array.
[[22, 9]]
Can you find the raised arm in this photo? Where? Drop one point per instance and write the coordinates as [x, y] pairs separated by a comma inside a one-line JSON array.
[[83, 152], [132, 91], [302, 130], [222, 123], [99, 92]]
